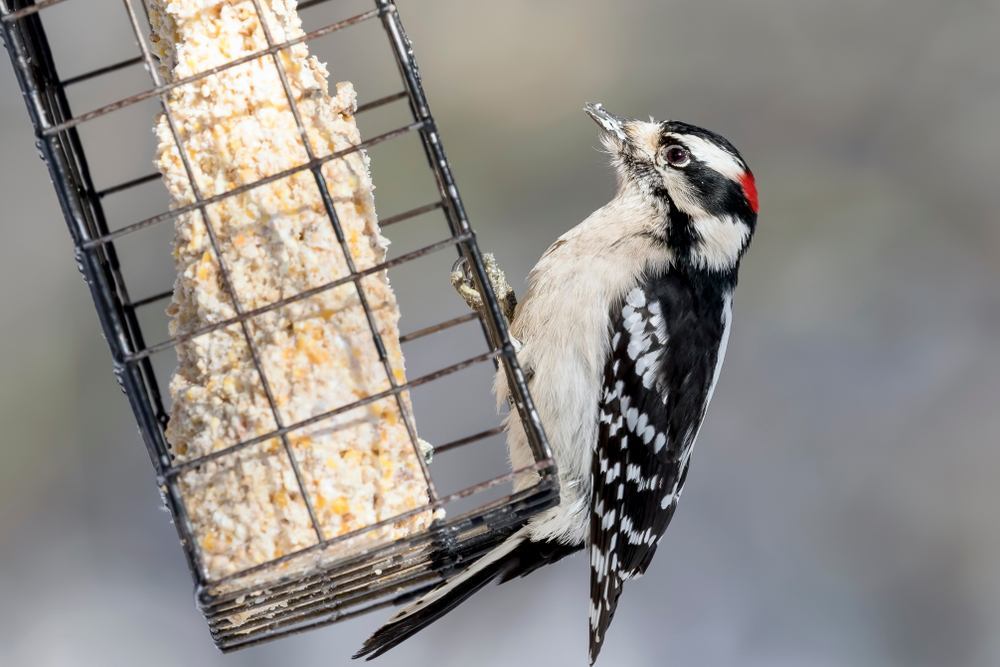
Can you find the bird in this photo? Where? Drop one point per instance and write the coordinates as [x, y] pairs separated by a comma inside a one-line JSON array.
[[622, 333]]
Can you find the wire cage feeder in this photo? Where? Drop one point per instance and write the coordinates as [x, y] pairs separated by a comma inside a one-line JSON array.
[[488, 510]]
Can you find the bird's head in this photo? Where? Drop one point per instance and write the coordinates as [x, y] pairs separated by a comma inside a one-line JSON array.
[[695, 180]]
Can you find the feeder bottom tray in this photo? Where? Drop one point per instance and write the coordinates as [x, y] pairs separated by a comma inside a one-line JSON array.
[[361, 583]]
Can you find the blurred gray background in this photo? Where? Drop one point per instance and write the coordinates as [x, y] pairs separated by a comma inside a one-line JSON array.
[[842, 507]]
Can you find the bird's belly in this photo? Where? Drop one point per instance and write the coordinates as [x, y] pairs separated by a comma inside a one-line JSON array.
[[566, 391]]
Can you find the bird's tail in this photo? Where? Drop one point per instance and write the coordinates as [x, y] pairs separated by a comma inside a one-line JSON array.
[[516, 556]]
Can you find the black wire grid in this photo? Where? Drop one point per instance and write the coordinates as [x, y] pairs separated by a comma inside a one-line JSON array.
[[358, 583]]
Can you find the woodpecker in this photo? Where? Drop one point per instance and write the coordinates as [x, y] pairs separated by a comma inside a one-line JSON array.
[[622, 333]]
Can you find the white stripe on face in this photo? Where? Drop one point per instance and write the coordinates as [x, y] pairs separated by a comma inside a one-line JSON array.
[[713, 156], [721, 241]]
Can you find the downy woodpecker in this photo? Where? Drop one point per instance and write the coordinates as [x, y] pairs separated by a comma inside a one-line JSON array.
[[622, 331]]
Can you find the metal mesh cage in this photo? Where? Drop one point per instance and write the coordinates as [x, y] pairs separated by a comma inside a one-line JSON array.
[[363, 581]]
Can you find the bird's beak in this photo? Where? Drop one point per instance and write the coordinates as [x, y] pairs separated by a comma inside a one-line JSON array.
[[612, 124]]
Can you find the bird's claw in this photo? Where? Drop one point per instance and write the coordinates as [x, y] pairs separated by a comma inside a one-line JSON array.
[[426, 450], [463, 282]]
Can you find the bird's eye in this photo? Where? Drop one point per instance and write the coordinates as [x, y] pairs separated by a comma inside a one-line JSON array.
[[677, 156]]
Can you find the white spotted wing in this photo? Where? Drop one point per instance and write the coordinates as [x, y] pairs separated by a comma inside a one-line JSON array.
[[667, 343]]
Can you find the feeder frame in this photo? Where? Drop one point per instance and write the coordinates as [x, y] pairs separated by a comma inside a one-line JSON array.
[[361, 582]]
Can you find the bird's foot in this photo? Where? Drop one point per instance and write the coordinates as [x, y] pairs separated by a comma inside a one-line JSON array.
[[462, 281], [426, 450]]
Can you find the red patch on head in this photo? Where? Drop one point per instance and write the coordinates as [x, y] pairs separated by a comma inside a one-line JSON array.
[[749, 189]]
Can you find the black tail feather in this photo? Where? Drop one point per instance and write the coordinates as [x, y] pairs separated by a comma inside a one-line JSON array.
[[532, 555], [522, 559], [392, 634]]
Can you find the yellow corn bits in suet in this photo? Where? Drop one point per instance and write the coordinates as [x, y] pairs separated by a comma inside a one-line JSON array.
[[276, 241]]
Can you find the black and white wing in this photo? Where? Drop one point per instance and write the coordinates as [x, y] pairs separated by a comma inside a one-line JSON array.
[[667, 346]]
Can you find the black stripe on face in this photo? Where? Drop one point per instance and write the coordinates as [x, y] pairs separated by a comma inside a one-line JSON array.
[[681, 235], [718, 195]]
